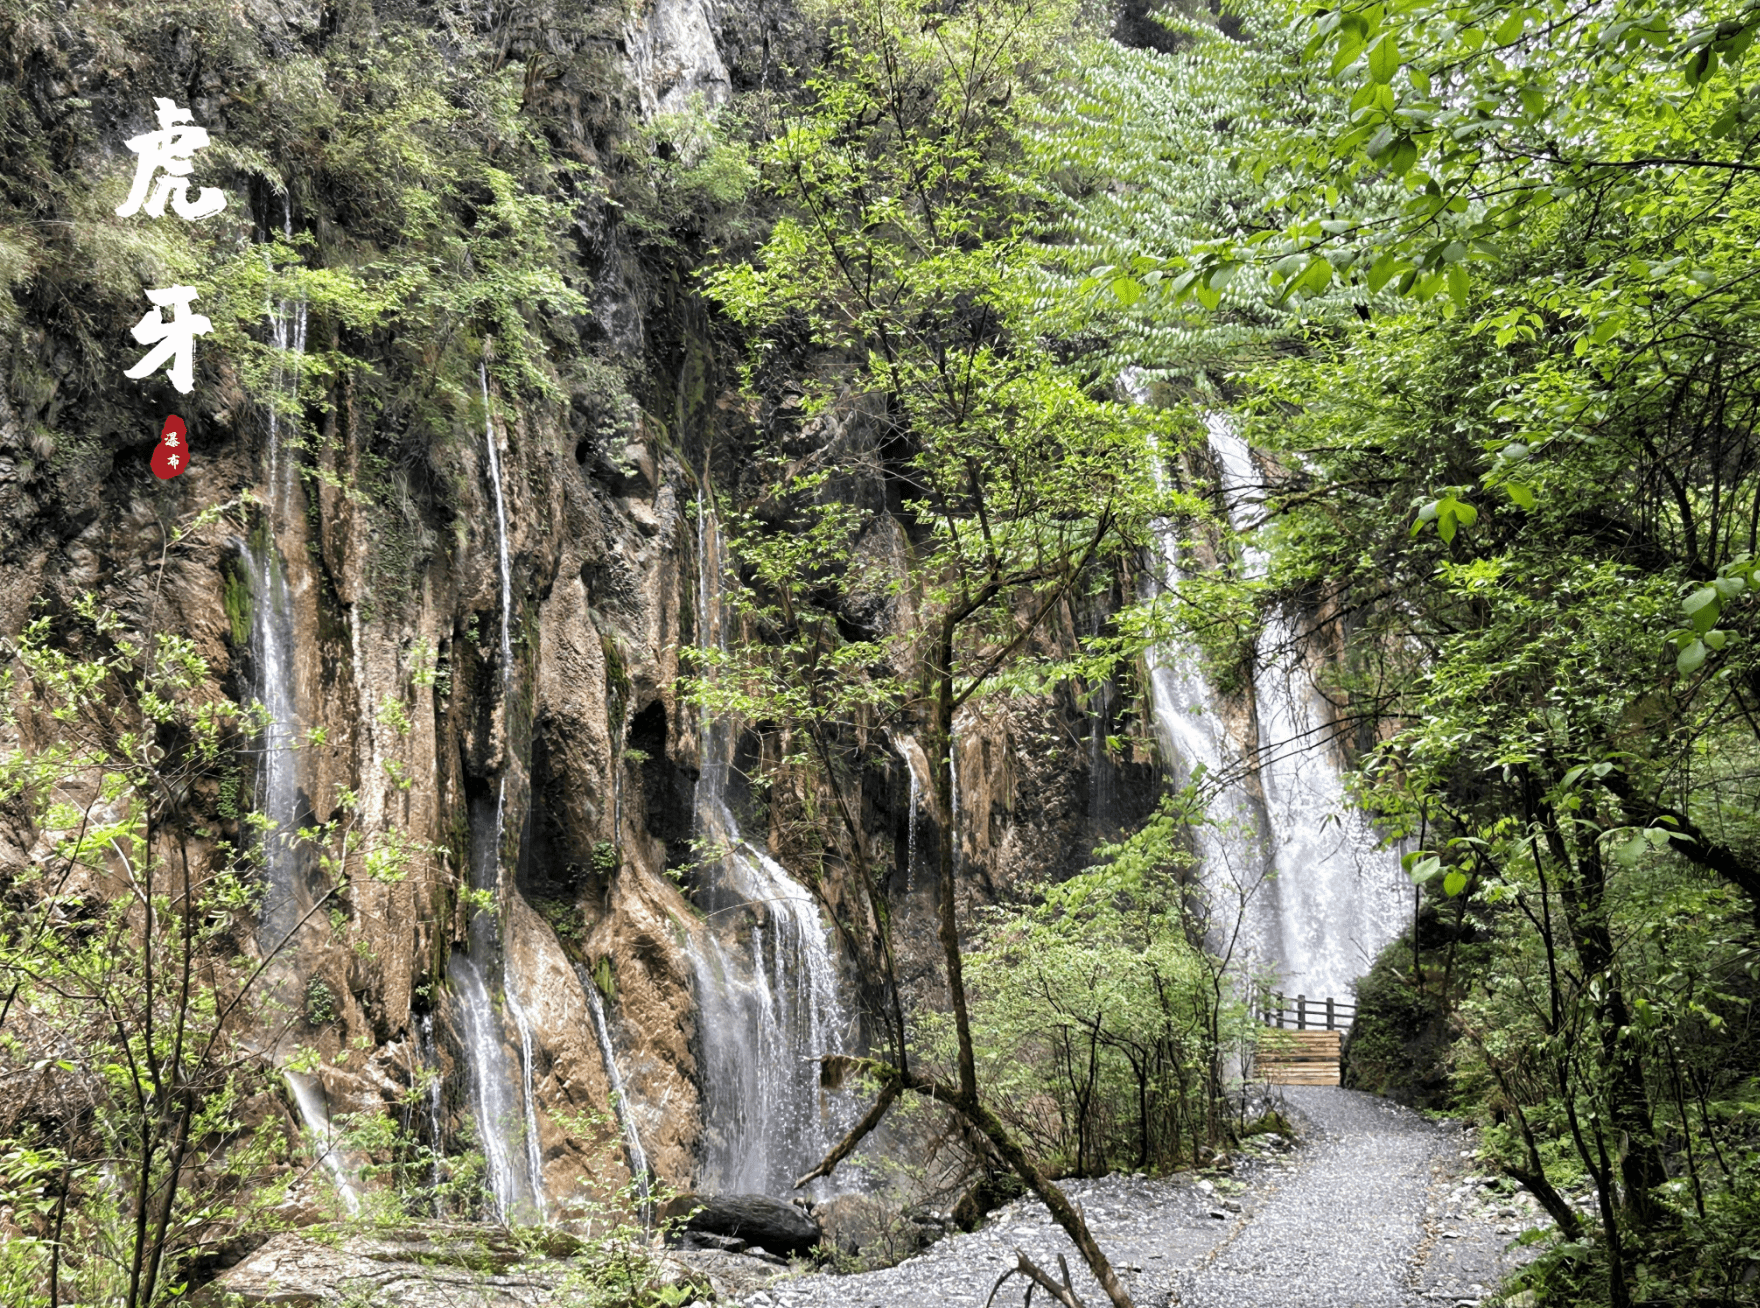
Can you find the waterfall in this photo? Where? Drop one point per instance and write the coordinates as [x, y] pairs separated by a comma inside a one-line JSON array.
[[1339, 897], [910, 851], [620, 1102], [320, 1132], [1320, 899], [285, 891], [272, 641], [529, 1100], [436, 1127], [500, 533], [516, 1167], [766, 981], [287, 894], [491, 1083]]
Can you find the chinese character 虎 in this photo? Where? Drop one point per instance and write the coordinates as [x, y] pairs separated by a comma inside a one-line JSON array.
[[169, 149], [176, 338]]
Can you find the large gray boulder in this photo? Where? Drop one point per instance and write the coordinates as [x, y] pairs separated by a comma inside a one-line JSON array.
[[749, 1219]]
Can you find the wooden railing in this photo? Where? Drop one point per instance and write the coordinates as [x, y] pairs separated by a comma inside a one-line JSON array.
[[1310, 1032], [1304, 1014]]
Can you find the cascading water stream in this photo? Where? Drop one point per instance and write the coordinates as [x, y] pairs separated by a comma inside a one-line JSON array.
[[767, 996], [323, 1136], [910, 853], [620, 1102], [272, 639], [1295, 861], [1340, 898], [287, 895], [491, 1084], [516, 1169], [436, 1124]]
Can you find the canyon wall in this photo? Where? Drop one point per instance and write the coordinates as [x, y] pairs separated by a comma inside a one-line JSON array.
[[467, 596]]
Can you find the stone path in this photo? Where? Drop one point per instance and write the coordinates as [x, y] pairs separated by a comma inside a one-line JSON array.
[[1375, 1210]]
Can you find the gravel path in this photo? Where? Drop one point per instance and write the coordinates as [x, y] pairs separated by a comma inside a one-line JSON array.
[[1373, 1211], [1343, 1229]]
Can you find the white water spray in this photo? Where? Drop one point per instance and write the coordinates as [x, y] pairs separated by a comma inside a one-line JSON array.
[[516, 1167], [491, 1083], [323, 1136]]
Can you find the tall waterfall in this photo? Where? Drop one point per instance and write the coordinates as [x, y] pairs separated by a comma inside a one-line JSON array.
[[765, 977], [287, 893], [503, 1093], [1317, 898]]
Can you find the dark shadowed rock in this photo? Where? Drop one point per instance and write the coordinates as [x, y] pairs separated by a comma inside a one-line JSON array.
[[754, 1219]]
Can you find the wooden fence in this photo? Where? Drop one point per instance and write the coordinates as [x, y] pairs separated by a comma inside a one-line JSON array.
[[1302, 1044], [1304, 1014]]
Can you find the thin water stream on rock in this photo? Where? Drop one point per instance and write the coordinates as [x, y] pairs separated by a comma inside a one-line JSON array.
[[287, 894], [323, 1137], [503, 1093], [620, 1102]]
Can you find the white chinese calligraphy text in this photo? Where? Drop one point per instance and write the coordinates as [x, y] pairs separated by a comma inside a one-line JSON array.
[[176, 339], [168, 151]]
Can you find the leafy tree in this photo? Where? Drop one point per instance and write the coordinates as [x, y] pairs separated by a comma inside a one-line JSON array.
[[128, 1017], [1096, 1001], [1005, 486]]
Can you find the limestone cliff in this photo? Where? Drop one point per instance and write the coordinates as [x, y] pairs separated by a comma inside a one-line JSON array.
[[460, 212]]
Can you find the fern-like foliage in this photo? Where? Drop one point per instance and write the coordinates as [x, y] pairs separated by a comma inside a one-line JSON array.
[[1142, 157]]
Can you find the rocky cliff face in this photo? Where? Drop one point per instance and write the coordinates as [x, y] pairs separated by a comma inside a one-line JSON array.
[[487, 647]]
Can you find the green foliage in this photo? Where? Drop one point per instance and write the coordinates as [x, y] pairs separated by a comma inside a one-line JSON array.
[[119, 966], [1399, 1041], [320, 1003], [1095, 1005], [237, 600]]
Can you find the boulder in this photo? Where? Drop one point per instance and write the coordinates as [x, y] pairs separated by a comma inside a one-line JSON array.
[[754, 1219], [417, 1268]]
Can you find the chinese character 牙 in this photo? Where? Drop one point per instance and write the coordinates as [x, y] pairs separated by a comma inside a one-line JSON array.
[[176, 338]]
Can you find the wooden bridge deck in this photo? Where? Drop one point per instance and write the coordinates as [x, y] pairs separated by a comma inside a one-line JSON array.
[[1298, 1057]]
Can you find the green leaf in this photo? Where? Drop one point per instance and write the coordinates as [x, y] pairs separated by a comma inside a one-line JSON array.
[[1127, 290], [1454, 883], [1511, 27], [1384, 59], [1382, 271], [1691, 657], [1458, 283], [1521, 495]]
